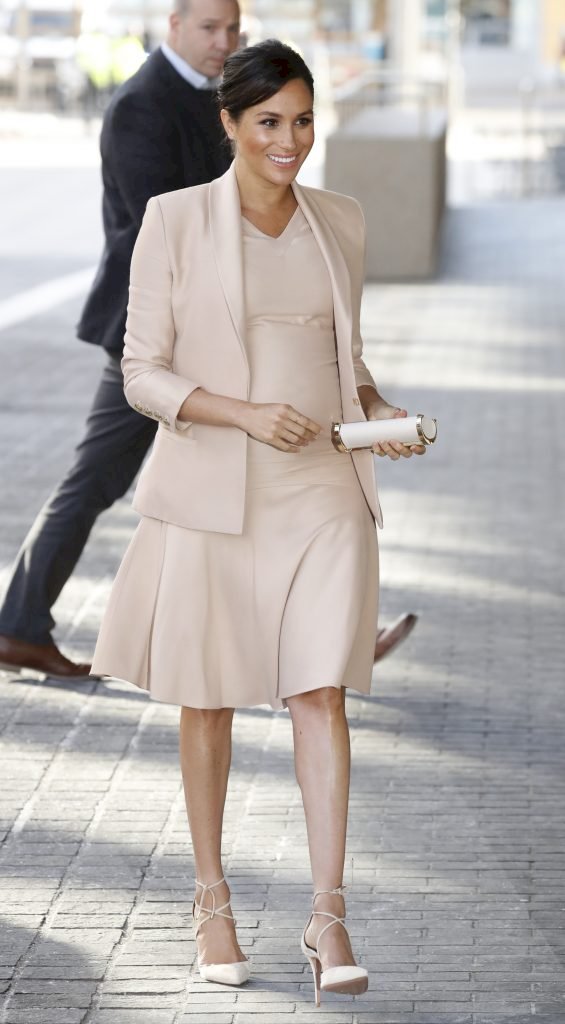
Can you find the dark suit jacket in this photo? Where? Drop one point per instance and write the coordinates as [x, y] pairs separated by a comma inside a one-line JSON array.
[[159, 134]]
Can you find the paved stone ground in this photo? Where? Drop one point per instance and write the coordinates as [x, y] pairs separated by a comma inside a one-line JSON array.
[[458, 791]]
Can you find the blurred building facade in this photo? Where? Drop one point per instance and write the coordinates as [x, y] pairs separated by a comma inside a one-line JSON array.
[[505, 42], [494, 39]]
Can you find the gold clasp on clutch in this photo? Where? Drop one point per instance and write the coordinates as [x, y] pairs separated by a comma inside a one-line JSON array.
[[336, 439], [426, 434]]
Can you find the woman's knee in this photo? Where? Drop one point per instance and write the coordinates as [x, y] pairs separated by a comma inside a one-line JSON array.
[[207, 720], [328, 701]]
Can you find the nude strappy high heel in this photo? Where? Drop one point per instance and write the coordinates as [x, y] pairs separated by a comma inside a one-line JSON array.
[[222, 974], [347, 980]]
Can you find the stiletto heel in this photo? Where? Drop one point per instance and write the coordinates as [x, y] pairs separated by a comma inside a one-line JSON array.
[[222, 974], [316, 969], [347, 979]]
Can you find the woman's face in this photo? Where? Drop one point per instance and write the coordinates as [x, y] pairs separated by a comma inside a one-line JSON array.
[[274, 138]]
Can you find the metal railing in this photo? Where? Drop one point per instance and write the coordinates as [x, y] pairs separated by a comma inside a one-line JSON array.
[[387, 87], [543, 136]]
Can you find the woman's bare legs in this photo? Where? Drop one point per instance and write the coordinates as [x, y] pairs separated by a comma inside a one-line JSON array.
[[322, 761], [205, 756]]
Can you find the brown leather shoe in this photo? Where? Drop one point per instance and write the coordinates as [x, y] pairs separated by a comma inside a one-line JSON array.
[[391, 636], [20, 656]]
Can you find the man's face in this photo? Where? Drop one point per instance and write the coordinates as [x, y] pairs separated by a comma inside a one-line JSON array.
[[206, 34]]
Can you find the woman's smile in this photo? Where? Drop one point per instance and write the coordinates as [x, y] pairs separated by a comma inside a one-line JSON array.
[[284, 161], [284, 120]]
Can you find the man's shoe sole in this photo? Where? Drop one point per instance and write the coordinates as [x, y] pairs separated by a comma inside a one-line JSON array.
[[40, 673], [397, 634]]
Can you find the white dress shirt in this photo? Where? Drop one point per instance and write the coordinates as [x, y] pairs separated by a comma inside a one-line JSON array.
[[194, 78]]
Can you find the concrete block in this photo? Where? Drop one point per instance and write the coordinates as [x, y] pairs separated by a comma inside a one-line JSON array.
[[394, 163]]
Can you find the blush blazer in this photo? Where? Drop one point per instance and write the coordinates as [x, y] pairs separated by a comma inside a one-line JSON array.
[[186, 329]]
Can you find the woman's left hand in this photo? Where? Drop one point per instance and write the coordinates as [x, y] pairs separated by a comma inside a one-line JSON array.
[[375, 408]]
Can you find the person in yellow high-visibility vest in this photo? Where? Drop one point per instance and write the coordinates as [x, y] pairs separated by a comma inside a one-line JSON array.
[[94, 58], [127, 56]]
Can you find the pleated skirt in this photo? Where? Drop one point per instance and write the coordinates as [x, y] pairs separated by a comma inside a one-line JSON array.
[[211, 620]]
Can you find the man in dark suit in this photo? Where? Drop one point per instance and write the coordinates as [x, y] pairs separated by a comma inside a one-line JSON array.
[[161, 132]]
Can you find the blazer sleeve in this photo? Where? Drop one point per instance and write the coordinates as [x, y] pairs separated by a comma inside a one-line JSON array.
[[150, 385], [362, 374]]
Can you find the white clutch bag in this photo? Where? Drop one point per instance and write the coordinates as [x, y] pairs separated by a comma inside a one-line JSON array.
[[365, 433]]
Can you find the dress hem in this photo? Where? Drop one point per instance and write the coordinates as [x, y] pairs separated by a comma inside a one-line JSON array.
[[279, 706]]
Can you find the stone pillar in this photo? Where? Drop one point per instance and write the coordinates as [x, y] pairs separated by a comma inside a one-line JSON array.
[[361, 17], [22, 70], [404, 34], [526, 26]]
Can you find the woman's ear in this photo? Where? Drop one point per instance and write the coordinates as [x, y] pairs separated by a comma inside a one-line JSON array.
[[228, 124]]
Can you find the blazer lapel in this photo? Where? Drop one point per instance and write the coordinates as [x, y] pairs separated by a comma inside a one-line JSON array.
[[227, 243], [343, 317], [225, 227], [337, 267]]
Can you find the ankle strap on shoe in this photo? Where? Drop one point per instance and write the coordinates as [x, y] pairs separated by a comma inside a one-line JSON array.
[[340, 891], [212, 885], [334, 919], [212, 912]]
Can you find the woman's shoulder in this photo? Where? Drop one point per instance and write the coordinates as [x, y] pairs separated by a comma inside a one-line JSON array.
[[333, 200], [181, 198], [175, 213]]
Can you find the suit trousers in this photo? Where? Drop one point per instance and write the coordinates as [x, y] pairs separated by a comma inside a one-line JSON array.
[[106, 463]]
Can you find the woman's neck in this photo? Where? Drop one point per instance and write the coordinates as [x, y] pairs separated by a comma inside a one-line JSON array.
[[263, 196]]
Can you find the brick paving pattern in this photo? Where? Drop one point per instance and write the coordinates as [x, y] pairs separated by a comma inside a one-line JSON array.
[[456, 834]]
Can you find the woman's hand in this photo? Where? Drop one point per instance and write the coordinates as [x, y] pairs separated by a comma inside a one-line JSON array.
[[281, 426], [376, 408]]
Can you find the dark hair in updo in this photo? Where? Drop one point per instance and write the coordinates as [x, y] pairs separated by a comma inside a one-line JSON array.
[[256, 73]]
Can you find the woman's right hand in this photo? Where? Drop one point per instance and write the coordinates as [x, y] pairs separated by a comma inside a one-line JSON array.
[[279, 425]]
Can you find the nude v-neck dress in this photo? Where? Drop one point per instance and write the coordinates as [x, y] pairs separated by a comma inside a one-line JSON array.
[[213, 620]]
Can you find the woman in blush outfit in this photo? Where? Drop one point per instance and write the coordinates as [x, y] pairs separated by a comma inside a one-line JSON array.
[[252, 576]]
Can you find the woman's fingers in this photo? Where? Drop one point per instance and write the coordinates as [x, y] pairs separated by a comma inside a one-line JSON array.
[[304, 436], [281, 426], [396, 450], [307, 427], [297, 430], [297, 435], [293, 439], [386, 448], [404, 451]]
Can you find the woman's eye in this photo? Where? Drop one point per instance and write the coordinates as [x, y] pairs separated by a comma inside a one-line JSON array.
[[270, 122]]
